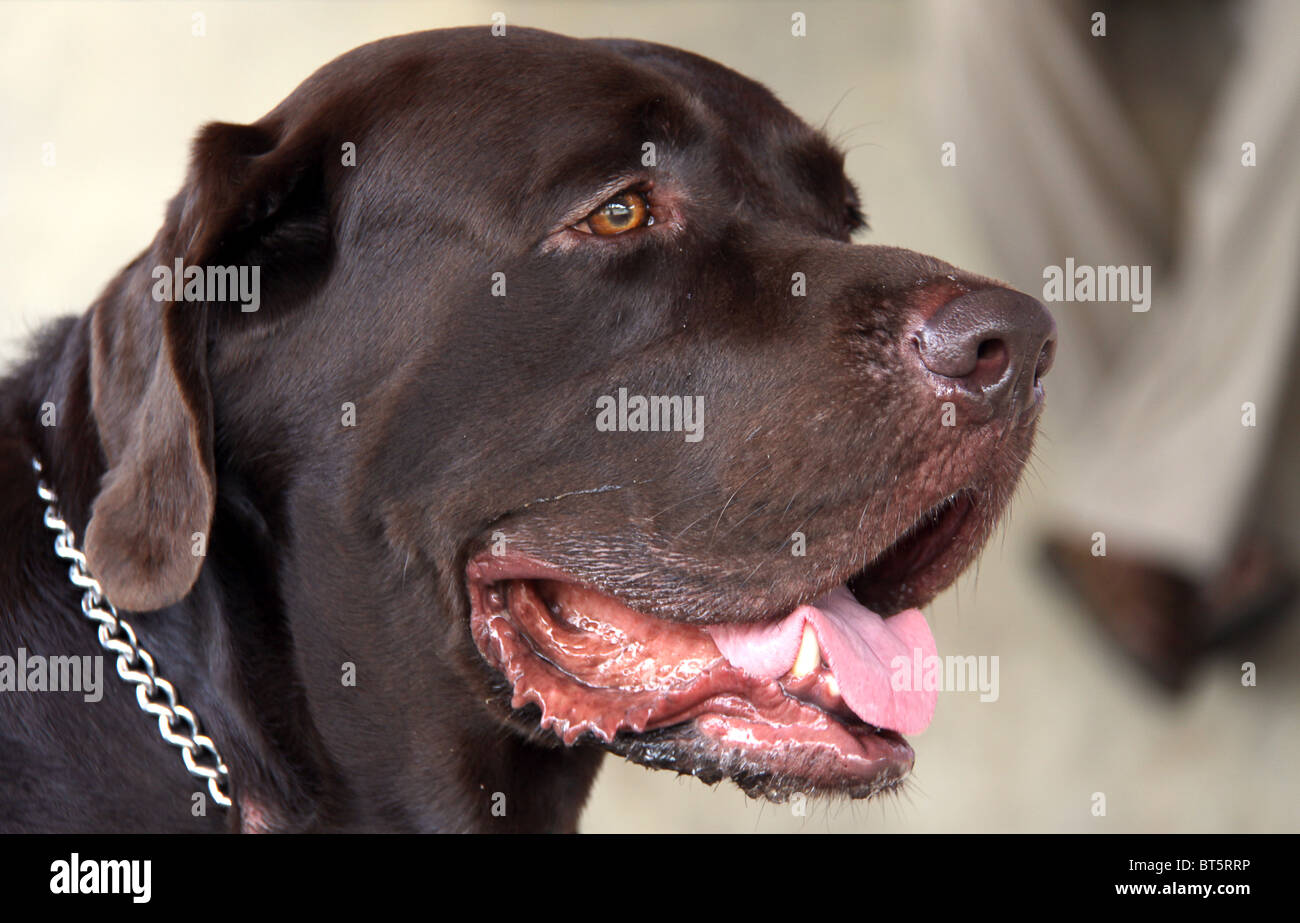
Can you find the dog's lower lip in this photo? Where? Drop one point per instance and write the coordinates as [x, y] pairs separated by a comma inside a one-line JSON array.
[[596, 676]]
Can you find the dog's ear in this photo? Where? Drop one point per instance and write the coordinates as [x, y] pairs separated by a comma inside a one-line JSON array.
[[151, 398]]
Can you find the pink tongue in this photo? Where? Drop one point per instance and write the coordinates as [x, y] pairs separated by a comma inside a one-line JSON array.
[[860, 648]]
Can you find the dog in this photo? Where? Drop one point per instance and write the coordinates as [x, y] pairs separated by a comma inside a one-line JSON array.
[[492, 403]]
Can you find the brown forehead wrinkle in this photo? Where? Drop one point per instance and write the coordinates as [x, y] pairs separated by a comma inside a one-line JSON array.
[[666, 117]]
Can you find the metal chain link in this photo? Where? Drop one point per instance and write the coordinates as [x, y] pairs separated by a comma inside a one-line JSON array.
[[176, 723]]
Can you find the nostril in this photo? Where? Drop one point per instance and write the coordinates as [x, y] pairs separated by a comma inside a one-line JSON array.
[[1045, 358], [991, 360]]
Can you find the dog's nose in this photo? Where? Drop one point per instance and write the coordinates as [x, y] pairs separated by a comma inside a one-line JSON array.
[[994, 344]]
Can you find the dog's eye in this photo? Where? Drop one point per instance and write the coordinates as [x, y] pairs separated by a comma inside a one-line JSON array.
[[626, 211]]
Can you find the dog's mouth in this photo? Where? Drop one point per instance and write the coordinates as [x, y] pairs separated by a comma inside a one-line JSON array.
[[812, 700]]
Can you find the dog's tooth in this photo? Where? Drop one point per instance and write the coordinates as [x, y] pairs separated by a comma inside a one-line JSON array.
[[832, 685], [809, 657]]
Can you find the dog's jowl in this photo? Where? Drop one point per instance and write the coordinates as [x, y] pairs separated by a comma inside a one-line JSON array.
[[528, 451]]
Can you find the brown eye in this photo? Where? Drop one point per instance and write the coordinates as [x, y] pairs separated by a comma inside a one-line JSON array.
[[624, 212]]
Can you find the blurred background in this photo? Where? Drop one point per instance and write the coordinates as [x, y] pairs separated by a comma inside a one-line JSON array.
[[1003, 138]]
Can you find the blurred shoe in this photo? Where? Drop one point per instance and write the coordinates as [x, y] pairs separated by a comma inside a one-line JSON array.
[[1255, 590], [1165, 621]]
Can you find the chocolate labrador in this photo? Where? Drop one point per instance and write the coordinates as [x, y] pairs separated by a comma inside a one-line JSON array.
[[491, 403]]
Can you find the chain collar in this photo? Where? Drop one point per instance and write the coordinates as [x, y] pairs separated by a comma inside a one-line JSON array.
[[176, 723]]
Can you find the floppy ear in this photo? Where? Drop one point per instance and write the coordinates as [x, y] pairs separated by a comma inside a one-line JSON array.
[[150, 392]]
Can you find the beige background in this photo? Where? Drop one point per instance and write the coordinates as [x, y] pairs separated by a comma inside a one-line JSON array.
[[120, 88]]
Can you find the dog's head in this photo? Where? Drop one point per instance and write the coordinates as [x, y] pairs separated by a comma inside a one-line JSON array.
[[569, 414]]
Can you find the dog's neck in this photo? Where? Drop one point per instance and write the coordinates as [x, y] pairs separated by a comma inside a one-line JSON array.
[[231, 656], [47, 403]]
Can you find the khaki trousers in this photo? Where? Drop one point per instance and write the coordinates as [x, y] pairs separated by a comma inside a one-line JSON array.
[[1145, 409]]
